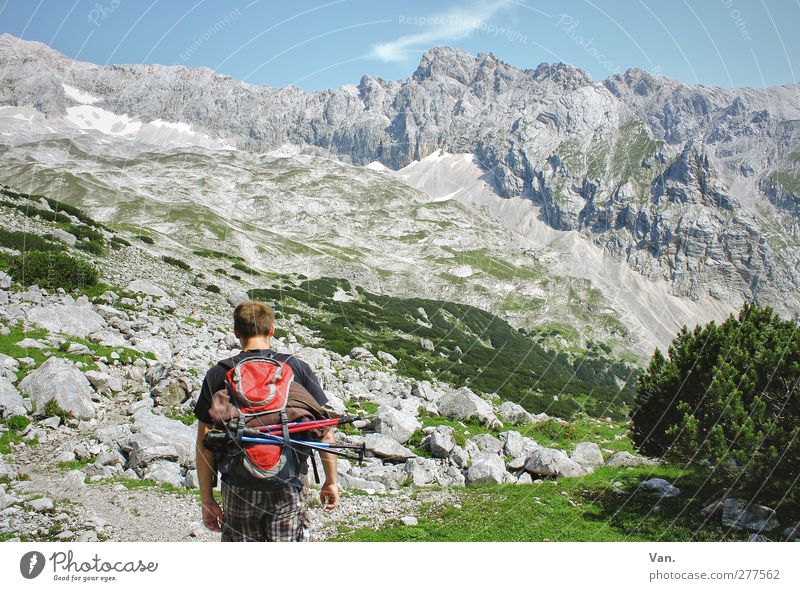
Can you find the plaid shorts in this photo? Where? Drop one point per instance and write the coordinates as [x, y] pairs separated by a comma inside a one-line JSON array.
[[277, 515]]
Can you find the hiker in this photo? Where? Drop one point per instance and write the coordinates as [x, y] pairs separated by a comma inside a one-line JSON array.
[[253, 510]]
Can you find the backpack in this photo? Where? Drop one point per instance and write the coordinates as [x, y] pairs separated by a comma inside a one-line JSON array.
[[260, 391]]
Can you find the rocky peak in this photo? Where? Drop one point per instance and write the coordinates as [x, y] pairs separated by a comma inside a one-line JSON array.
[[449, 62]]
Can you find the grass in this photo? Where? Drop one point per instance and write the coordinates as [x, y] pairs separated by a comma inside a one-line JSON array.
[[74, 464], [15, 425], [569, 510]]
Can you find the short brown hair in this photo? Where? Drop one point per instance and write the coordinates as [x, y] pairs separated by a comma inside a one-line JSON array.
[[252, 319]]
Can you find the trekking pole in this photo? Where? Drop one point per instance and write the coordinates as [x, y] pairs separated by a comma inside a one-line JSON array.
[[257, 435], [308, 425], [303, 443]]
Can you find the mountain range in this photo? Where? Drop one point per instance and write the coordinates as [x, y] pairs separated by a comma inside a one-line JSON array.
[[612, 211]]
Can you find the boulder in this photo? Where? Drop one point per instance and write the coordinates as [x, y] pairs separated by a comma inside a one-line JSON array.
[[387, 357], [362, 354], [488, 467], [422, 471], [660, 487], [515, 445], [394, 423], [164, 472], [588, 455], [740, 515], [513, 413], [146, 287], [627, 460], [6, 470], [463, 404], [158, 346], [59, 379], [76, 319], [104, 381], [459, 457], [425, 391], [156, 436], [64, 236], [391, 476], [11, 401], [386, 447], [439, 441], [488, 443], [350, 482], [552, 462]]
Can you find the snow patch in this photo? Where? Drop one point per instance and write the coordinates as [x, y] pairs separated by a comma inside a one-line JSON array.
[[79, 96]]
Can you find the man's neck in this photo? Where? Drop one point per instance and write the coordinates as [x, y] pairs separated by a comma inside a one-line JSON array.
[[256, 343]]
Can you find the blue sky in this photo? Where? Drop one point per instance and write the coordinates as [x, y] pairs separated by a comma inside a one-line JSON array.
[[326, 43]]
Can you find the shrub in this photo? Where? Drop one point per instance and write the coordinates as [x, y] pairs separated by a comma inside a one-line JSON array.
[[52, 270], [244, 268], [727, 399], [145, 239], [25, 241], [92, 247], [176, 263], [212, 288], [18, 423]]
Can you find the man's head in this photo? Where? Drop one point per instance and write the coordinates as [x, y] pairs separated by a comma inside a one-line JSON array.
[[253, 319]]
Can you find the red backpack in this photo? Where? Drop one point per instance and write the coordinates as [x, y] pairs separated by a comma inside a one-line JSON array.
[[260, 391]]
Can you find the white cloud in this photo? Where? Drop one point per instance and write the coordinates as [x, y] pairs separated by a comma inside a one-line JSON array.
[[452, 25]]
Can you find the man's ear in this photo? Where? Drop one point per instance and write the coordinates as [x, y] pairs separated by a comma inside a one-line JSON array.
[[271, 331]]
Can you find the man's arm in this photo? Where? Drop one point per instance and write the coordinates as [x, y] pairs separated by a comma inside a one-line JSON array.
[[329, 493], [204, 459]]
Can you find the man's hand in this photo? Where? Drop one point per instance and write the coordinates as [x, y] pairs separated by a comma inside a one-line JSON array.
[[329, 495], [212, 515]]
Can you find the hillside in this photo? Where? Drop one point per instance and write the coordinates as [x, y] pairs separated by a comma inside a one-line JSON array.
[[99, 377]]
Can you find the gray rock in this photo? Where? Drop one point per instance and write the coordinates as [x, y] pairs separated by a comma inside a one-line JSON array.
[[517, 463], [29, 343], [348, 482], [362, 354], [104, 381], [387, 357], [11, 401], [396, 424], [439, 441], [513, 413], [525, 478], [463, 404], [51, 422], [488, 443], [75, 319], [191, 480], [660, 487], [42, 505], [740, 515], [159, 437], [156, 345], [6, 470], [391, 476], [64, 236], [552, 462], [60, 380], [588, 455], [146, 287], [409, 520], [627, 460], [488, 467], [422, 471], [164, 472], [459, 457], [386, 447], [426, 344], [425, 391]]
